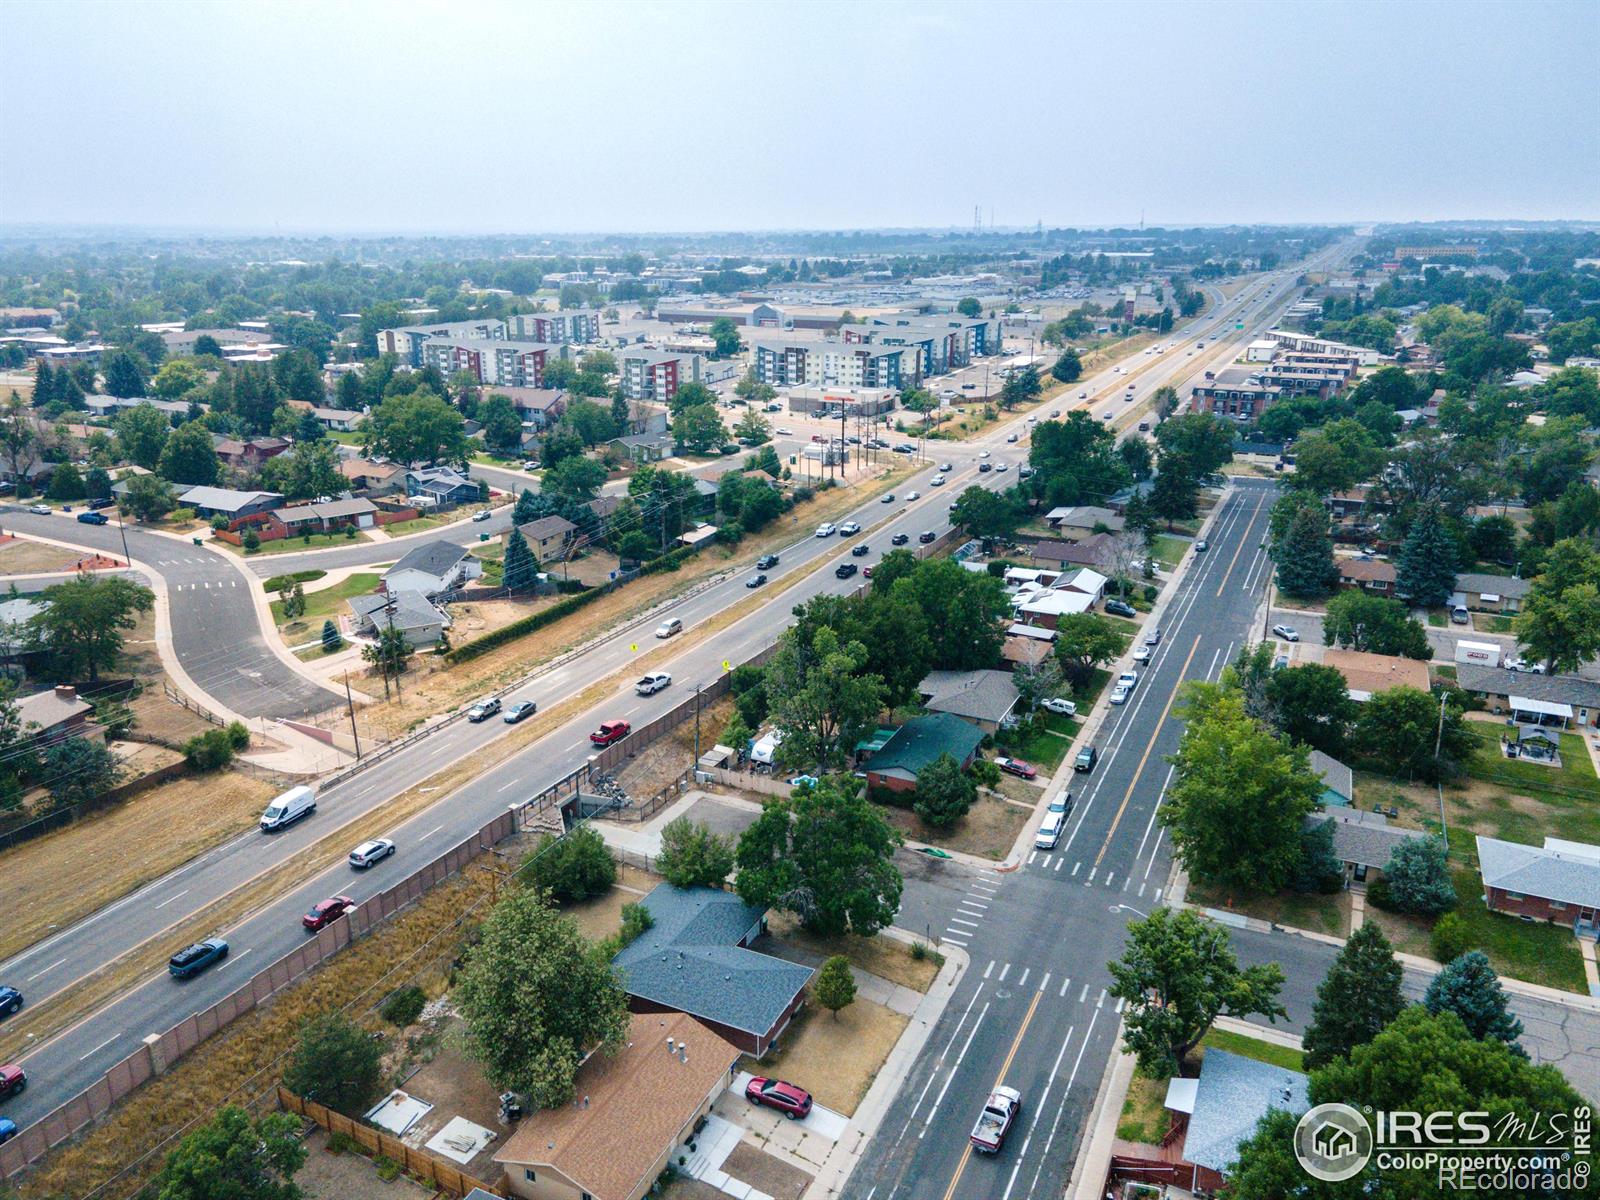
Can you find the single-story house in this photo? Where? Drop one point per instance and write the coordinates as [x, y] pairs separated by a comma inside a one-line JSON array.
[[1118, 502], [1047, 607], [249, 453], [645, 447], [375, 479], [15, 637], [1019, 651], [1363, 841], [340, 420], [1089, 582], [700, 533], [56, 714], [633, 1110], [226, 502], [414, 615], [110, 406], [695, 958], [1533, 699], [548, 537], [1219, 1111], [444, 485], [1083, 520], [431, 568], [1559, 881], [325, 515], [1359, 503], [1092, 551], [539, 407], [1016, 577], [1366, 673], [916, 744], [1338, 780], [984, 698], [1493, 593], [604, 506], [1368, 574]]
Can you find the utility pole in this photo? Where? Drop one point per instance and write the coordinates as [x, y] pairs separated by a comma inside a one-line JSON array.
[[351, 706], [697, 723], [389, 652]]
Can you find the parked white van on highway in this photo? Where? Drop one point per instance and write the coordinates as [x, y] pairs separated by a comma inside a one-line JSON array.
[[288, 808]]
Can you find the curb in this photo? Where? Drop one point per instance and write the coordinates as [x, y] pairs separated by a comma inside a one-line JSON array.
[[835, 1171], [1093, 1160]]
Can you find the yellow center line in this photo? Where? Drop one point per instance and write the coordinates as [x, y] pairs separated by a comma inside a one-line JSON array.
[[1143, 758], [966, 1155], [1245, 537]]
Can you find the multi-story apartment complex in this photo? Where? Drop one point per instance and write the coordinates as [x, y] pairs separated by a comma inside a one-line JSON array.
[[1306, 343], [834, 364], [1236, 392], [569, 326], [656, 374], [407, 341], [492, 362]]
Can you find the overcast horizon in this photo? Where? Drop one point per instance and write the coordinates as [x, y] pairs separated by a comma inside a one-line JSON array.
[[422, 118]]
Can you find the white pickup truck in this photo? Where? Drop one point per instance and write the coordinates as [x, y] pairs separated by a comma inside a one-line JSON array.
[[995, 1121], [652, 683]]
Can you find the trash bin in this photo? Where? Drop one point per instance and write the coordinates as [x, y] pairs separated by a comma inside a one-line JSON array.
[[483, 537], [196, 541]]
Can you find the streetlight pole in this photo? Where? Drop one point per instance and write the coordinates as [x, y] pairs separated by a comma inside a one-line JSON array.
[[351, 706]]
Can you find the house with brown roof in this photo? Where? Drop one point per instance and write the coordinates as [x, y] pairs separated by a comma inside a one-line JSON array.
[[375, 479], [1364, 673], [56, 714], [1092, 551], [629, 1114], [1367, 574], [248, 454], [547, 537]]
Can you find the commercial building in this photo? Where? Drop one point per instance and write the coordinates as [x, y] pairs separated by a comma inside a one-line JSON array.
[[567, 327], [492, 362], [181, 344], [1310, 344], [853, 401], [656, 374]]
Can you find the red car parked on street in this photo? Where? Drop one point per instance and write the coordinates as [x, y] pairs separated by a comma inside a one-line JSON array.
[[793, 1102], [327, 910], [610, 731]]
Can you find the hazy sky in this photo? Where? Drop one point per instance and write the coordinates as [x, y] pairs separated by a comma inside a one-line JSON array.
[[562, 115]]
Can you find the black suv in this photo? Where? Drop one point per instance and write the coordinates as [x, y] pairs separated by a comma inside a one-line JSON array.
[[845, 570], [766, 562]]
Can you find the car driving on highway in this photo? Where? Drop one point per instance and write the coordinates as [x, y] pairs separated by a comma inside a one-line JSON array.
[[369, 852], [610, 731], [755, 581], [521, 710], [325, 911], [994, 1122], [653, 683], [10, 1000], [483, 709], [826, 529], [191, 960], [13, 1081]]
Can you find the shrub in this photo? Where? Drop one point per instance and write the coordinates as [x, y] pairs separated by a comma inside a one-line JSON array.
[[919, 950], [636, 919], [388, 1169], [350, 533], [335, 1063], [251, 540], [279, 582], [1450, 939], [803, 494], [209, 751], [403, 1006], [342, 1143], [1378, 895], [984, 772], [571, 868], [219, 522], [1418, 875], [238, 735], [834, 987], [181, 516]]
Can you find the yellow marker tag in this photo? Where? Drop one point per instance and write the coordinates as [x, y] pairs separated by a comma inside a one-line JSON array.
[[633, 647], [725, 664]]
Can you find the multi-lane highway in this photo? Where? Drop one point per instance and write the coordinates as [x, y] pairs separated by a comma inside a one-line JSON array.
[[170, 910]]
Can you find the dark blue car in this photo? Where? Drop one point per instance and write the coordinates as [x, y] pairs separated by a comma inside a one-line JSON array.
[[91, 518], [191, 960], [10, 1000]]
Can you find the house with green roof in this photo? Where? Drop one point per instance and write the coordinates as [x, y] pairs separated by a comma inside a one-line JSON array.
[[916, 744]]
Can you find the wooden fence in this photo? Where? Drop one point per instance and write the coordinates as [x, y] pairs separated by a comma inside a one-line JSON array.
[[417, 1163]]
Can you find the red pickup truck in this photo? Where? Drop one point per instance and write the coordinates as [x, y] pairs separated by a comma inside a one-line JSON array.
[[610, 731]]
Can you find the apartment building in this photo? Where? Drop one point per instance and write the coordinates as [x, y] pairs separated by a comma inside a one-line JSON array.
[[1306, 343], [833, 364], [407, 341], [574, 327], [1236, 392], [492, 362], [656, 374]]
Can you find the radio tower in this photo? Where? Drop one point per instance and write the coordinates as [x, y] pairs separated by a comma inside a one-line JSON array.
[[977, 218]]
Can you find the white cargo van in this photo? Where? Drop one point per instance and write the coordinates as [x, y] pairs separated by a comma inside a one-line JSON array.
[[288, 808]]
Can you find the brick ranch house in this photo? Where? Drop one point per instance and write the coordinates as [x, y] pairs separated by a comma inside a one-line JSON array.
[[1557, 882]]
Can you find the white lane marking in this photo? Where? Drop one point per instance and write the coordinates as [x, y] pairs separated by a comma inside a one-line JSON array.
[[1065, 984], [508, 786], [1066, 1095], [1031, 857], [971, 905], [959, 921], [989, 969], [985, 887], [1004, 971], [1060, 862], [1045, 982], [430, 833], [234, 958], [170, 899], [44, 970], [1083, 995], [1039, 1111], [1090, 880], [1110, 875], [1158, 896], [1076, 866], [1120, 1003], [950, 941], [1023, 978], [1100, 1003], [101, 1046], [953, 1069]]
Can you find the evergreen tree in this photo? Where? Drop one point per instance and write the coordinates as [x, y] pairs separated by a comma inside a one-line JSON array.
[[97, 484], [66, 483], [1418, 875], [331, 641], [348, 395], [1426, 572], [1320, 869], [1469, 988], [1357, 998], [1304, 556], [527, 508], [44, 385], [520, 566], [124, 375]]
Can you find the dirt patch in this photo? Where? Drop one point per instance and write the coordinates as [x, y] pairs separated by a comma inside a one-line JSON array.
[[684, 1188], [1408, 934], [1144, 1114], [21, 557], [655, 767], [349, 1176], [456, 1087], [765, 1173], [886, 957], [834, 1058], [989, 829], [55, 880]]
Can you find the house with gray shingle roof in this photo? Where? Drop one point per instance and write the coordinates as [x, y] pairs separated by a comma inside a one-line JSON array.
[[1338, 780], [985, 698], [1493, 593], [1559, 881], [1221, 1109], [695, 958], [431, 568], [916, 744], [1530, 698], [1363, 841]]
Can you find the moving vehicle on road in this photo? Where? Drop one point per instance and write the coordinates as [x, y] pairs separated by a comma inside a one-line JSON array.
[[766, 562], [671, 627], [984, 468], [13, 1079], [91, 518], [826, 529], [849, 529], [994, 1122], [844, 570], [39, 510], [521, 710], [8, 1130], [191, 960], [483, 514], [288, 808], [1002, 468], [755, 581], [926, 536], [860, 550], [1287, 632], [946, 467], [1056, 704], [609, 732], [887, 499], [652, 683], [325, 911], [10, 1000], [913, 495], [793, 1102], [1086, 759], [936, 481], [1015, 766], [899, 539], [1049, 831], [1119, 608], [483, 709], [368, 853], [983, 454]]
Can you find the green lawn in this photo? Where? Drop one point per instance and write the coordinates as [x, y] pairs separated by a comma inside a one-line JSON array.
[[325, 603], [345, 439], [1249, 1047], [1529, 950], [1044, 750], [1576, 772], [317, 541], [1437, 619], [1086, 695], [1493, 624], [1170, 549]]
